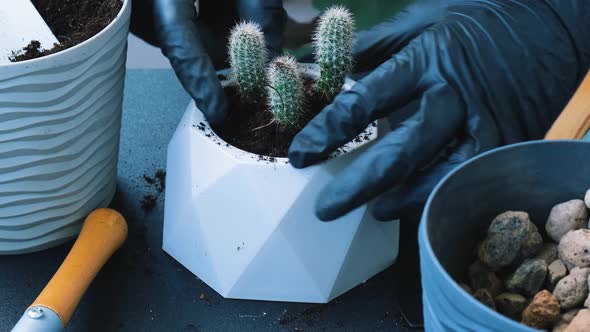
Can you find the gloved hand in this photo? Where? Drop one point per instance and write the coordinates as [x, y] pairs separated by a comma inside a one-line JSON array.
[[485, 72], [196, 44]]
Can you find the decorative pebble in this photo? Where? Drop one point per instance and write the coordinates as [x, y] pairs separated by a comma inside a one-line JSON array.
[[480, 276], [555, 272], [532, 245], [580, 323], [511, 304], [587, 199], [574, 249], [510, 236], [566, 217], [542, 311], [528, 277], [565, 320], [548, 252], [587, 302], [484, 296], [573, 289]]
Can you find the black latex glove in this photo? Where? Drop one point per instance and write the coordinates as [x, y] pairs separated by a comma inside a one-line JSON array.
[[196, 45], [486, 73]]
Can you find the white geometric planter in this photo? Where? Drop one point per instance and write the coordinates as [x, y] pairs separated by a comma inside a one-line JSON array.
[[60, 117], [246, 226]]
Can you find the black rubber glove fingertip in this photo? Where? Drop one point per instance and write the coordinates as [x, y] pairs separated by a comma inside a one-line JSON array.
[[383, 213], [325, 214], [298, 155]]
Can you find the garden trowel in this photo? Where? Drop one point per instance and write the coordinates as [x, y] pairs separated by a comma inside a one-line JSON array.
[[104, 232], [20, 24]]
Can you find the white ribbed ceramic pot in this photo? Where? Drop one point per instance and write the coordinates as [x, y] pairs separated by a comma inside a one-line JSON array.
[[60, 117]]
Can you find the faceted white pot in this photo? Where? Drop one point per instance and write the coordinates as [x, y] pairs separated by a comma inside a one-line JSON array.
[[60, 117], [245, 225]]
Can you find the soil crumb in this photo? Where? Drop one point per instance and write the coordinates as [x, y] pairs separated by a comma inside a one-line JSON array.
[[157, 184], [72, 22], [148, 202]]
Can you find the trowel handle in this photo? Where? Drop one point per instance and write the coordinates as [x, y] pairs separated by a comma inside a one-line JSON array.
[[574, 120], [104, 232]]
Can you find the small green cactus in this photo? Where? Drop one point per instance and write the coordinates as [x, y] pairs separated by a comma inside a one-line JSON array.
[[333, 49], [248, 58], [286, 93]]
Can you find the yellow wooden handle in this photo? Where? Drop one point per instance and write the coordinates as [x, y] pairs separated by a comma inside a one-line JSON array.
[[574, 120], [104, 232]]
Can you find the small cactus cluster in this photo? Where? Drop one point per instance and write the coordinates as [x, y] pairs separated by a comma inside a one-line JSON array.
[[248, 58], [285, 92], [333, 49], [282, 83]]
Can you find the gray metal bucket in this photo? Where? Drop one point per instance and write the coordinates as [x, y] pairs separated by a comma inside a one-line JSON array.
[[532, 177]]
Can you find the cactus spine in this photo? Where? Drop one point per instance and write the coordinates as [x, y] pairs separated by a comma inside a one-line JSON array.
[[286, 93], [248, 57], [333, 49]]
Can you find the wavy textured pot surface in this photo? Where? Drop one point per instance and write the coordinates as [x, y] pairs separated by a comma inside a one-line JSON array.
[[245, 224], [60, 117]]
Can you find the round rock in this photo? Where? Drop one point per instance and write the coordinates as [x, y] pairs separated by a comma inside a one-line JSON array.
[[511, 304], [587, 199], [573, 289], [484, 296], [565, 320], [580, 323], [528, 277], [548, 252], [566, 217], [542, 312], [574, 249], [508, 238], [480, 276], [555, 272]]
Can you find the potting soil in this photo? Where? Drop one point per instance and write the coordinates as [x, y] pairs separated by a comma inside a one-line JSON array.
[[72, 22], [250, 127]]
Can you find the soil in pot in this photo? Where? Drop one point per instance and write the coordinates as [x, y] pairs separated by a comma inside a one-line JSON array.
[[250, 126], [72, 22]]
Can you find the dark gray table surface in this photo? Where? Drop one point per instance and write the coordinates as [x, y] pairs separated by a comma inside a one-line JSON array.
[[143, 289]]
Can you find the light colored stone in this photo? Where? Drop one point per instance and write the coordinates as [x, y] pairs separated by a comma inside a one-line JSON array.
[[480, 276], [528, 277], [573, 289], [542, 312], [580, 323], [510, 236], [511, 304], [565, 217], [555, 272], [565, 320], [548, 252], [574, 249], [484, 296], [587, 199]]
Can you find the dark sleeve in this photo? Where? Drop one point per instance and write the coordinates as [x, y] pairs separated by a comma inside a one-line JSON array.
[[142, 21]]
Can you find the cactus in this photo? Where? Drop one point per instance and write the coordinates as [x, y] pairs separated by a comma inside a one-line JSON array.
[[248, 57], [286, 93], [333, 49]]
